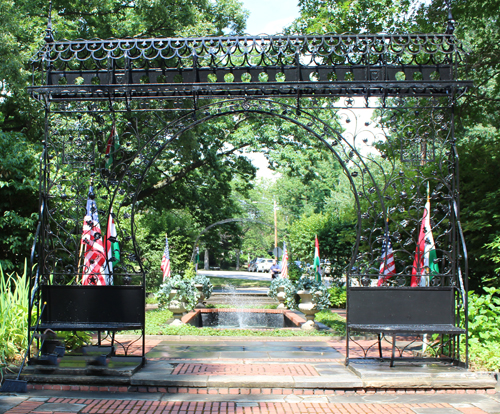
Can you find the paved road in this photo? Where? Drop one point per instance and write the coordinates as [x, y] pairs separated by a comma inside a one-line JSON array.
[[233, 274]]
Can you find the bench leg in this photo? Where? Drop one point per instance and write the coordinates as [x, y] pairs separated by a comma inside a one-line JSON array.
[[393, 350], [380, 345]]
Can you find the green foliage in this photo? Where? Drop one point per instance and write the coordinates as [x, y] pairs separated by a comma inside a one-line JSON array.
[[207, 285], [332, 320], [151, 238], [190, 271], [336, 240], [361, 16], [484, 331], [186, 292], [75, 340], [320, 297], [338, 296], [18, 200], [277, 282], [294, 271], [14, 299], [480, 202]]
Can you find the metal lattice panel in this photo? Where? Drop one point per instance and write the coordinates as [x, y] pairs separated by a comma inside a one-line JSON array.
[[302, 66]]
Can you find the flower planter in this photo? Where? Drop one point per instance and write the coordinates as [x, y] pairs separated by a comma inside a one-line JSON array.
[[281, 297], [177, 307], [308, 308], [201, 298]]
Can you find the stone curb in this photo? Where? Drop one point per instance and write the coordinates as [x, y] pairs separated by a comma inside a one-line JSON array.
[[250, 391]]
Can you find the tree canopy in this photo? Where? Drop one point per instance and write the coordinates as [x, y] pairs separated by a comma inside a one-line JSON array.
[[205, 177]]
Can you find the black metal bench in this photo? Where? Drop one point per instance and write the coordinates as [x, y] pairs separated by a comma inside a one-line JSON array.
[[401, 310], [92, 308]]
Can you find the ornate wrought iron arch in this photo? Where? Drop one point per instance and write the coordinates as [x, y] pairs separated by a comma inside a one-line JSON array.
[[410, 80]]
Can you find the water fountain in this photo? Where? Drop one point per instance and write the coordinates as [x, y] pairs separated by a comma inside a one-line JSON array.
[[243, 314]]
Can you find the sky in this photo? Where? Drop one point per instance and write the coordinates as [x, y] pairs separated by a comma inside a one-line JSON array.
[[270, 16]]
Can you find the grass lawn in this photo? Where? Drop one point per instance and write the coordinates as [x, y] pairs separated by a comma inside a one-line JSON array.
[[218, 282], [156, 325]]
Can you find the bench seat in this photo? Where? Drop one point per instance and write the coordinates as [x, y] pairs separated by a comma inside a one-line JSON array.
[[408, 329], [91, 326]]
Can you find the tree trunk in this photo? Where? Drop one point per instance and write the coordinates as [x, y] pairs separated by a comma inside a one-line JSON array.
[[206, 261]]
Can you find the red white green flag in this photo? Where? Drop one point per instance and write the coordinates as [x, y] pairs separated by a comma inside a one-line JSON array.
[[317, 266], [425, 264], [112, 249], [112, 147]]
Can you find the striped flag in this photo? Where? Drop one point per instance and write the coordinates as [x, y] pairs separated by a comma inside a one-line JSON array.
[[317, 265], [94, 255], [284, 262], [112, 249], [387, 267], [165, 261]]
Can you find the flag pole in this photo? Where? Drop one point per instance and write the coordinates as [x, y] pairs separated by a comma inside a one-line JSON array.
[[79, 261]]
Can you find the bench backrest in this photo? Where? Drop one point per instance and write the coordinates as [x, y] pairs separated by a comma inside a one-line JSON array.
[[93, 304], [400, 306]]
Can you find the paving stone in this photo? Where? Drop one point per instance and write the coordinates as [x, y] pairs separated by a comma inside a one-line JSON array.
[[305, 355], [171, 380], [249, 381], [7, 402], [61, 407], [337, 381]]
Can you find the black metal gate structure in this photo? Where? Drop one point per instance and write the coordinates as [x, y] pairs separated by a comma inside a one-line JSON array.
[[392, 97]]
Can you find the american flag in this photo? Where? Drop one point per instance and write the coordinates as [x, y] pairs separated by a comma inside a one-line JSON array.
[[284, 262], [94, 255], [165, 261], [387, 267]]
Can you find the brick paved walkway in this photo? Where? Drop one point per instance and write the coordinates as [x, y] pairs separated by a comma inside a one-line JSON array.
[[242, 369], [108, 406]]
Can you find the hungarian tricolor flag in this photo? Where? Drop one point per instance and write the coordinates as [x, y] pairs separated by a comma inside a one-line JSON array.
[[284, 262], [93, 248], [424, 264], [387, 266], [317, 268], [112, 147], [112, 249]]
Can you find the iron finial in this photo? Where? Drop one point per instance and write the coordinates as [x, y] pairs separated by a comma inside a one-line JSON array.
[[49, 38], [451, 21]]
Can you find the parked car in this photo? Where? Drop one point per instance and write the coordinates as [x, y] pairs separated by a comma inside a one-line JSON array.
[[264, 265], [251, 265]]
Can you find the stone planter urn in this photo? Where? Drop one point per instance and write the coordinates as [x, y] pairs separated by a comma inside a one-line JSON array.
[[308, 308], [177, 307], [201, 298], [281, 297]]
